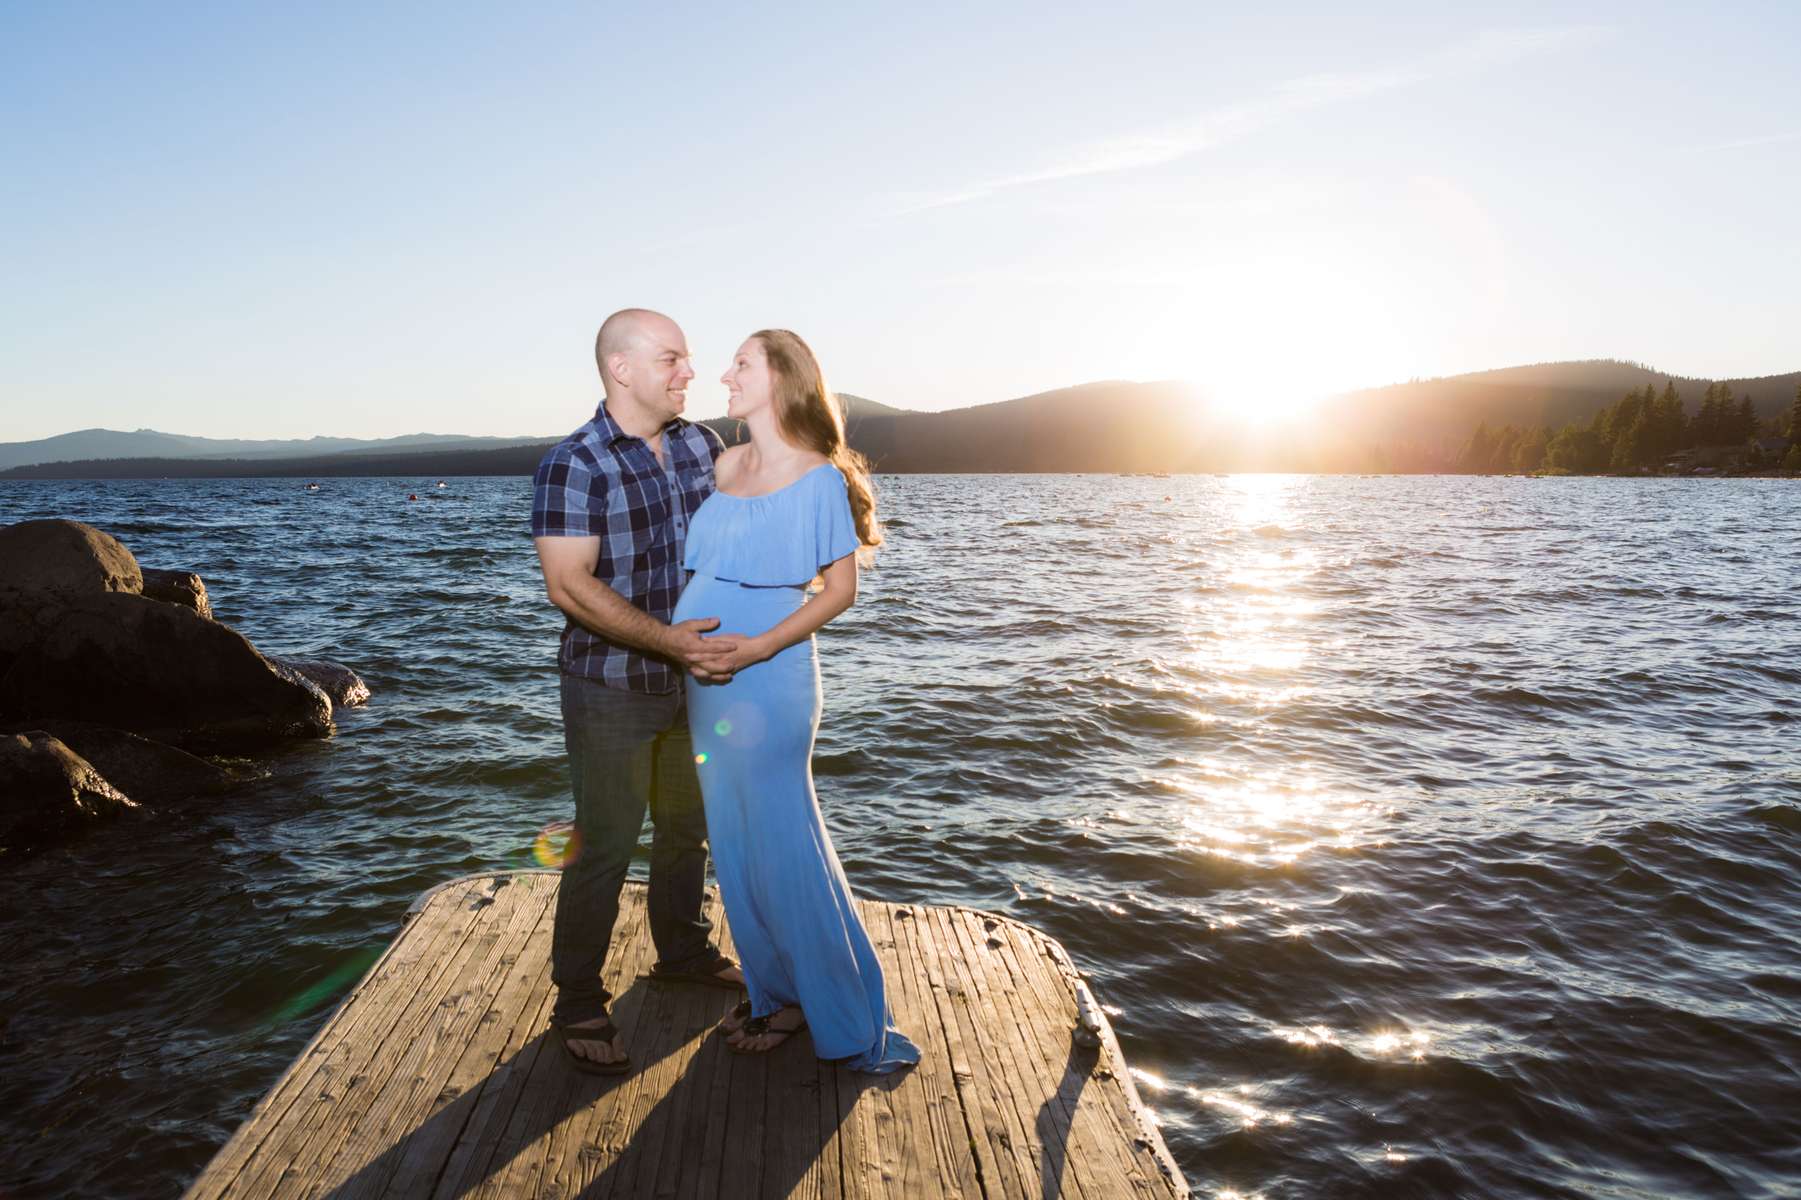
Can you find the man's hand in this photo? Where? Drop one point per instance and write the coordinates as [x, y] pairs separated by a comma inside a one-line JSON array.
[[705, 658], [733, 654]]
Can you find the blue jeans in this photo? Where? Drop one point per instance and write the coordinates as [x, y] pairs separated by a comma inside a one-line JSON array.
[[627, 751]]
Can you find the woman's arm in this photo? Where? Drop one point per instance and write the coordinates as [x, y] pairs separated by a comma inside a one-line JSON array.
[[838, 594]]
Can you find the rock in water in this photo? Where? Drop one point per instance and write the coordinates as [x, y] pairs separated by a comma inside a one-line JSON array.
[[345, 687], [149, 772], [45, 562], [19, 628], [162, 671], [47, 789], [178, 587]]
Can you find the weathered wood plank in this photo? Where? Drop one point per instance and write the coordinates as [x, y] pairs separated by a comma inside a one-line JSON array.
[[475, 1085], [967, 1093], [1022, 1038], [403, 1109], [348, 1067], [987, 1102], [916, 1010], [921, 1169], [438, 1076], [352, 1021], [1010, 1064]]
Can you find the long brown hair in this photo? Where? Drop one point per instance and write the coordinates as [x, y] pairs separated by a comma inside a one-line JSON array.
[[810, 415]]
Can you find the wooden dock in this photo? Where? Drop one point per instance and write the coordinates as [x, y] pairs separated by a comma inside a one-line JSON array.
[[437, 1076]]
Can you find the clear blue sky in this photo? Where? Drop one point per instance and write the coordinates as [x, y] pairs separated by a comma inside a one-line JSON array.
[[372, 220]]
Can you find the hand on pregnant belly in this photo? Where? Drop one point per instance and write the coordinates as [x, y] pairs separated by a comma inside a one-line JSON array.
[[733, 653]]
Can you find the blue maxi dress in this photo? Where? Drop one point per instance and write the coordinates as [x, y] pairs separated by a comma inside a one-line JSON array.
[[798, 936]]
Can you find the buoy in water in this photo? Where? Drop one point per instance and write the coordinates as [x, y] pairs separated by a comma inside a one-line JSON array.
[[412, 495]]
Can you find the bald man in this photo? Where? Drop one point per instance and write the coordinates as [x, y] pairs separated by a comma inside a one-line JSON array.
[[610, 514]]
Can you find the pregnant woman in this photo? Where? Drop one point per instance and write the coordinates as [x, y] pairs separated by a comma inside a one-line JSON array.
[[793, 505]]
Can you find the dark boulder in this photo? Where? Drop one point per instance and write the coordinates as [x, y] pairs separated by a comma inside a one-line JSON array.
[[162, 671], [46, 790], [178, 587], [345, 687], [20, 626], [147, 771], [44, 562]]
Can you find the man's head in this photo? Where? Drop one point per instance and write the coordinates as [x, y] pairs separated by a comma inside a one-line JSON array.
[[644, 366]]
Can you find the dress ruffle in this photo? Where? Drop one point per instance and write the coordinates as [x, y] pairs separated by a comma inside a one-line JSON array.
[[729, 538]]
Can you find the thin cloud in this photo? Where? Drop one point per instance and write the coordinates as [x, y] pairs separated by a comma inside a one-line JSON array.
[[1769, 139], [1166, 144]]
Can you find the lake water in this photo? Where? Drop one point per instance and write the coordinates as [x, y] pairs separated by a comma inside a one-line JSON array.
[[1424, 836]]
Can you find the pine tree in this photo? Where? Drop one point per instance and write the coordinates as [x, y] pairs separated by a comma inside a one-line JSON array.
[[1474, 458], [1706, 427], [1631, 449], [1794, 417], [1672, 421], [1578, 449], [1500, 458], [1745, 422], [1529, 454]]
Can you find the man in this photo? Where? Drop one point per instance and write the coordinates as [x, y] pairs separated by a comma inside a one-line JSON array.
[[610, 515]]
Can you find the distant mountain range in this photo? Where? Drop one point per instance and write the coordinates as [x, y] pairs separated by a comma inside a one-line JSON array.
[[87, 444], [1095, 427]]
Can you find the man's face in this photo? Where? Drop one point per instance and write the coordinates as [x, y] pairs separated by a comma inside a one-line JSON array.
[[659, 369]]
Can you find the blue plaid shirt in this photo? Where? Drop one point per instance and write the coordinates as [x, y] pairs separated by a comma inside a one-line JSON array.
[[600, 481]]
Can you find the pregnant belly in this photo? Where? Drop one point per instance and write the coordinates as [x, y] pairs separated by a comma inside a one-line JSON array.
[[746, 611]]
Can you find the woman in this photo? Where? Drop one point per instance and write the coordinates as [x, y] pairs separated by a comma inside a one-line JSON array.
[[793, 506]]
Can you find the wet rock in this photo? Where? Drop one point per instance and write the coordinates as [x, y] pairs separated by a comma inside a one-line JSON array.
[[47, 790], [44, 562], [345, 687], [178, 587], [148, 771], [162, 671]]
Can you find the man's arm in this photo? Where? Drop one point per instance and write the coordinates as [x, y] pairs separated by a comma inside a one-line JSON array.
[[568, 564]]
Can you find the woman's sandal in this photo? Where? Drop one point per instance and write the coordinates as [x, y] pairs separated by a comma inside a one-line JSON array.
[[736, 1019], [591, 1033], [758, 1027]]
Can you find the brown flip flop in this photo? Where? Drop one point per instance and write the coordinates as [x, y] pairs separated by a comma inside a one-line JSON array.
[[591, 1033], [707, 976]]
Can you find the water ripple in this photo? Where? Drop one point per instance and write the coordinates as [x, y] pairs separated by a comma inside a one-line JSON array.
[[1424, 836]]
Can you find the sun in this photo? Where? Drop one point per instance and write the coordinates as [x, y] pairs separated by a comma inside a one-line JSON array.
[[1262, 399], [1265, 340]]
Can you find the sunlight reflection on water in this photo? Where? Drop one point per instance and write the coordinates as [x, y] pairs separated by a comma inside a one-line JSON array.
[[1400, 823]]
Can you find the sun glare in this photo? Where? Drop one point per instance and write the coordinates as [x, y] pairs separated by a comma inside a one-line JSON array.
[[1263, 401], [1265, 339]]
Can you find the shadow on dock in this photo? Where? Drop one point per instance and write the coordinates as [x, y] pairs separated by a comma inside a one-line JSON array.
[[416, 1165], [439, 1077]]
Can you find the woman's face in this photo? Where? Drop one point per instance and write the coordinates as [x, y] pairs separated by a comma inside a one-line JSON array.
[[749, 385]]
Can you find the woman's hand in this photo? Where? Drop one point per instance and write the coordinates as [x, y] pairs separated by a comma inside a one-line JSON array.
[[742, 652], [838, 594]]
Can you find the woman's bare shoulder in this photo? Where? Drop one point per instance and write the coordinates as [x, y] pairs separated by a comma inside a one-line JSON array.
[[729, 462]]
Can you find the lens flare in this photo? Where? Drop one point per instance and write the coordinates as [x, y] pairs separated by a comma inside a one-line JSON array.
[[558, 844], [331, 987], [700, 760], [744, 725]]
